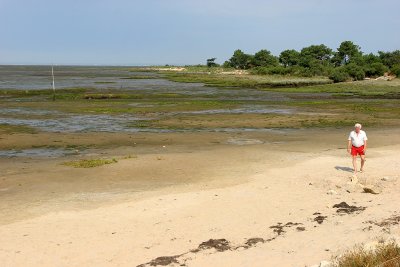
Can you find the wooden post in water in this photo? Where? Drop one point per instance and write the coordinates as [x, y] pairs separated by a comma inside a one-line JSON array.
[[54, 87]]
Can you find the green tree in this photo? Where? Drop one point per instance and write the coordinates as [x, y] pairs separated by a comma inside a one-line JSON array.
[[315, 54], [240, 60], [211, 62], [316, 68], [264, 58], [227, 64], [390, 58], [289, 57], [346, 53], [370, 58]]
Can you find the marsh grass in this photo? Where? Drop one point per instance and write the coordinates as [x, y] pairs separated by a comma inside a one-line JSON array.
[[11, 129], [293, 84], [27, 93], [385, 255], [246, 81], [328, 123], [89, 163], [139, 77], [105, 96], [105, 82], [130, 157], [79, 147], [361, 89]]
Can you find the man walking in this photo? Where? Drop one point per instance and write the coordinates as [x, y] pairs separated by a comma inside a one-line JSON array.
[[357, 145]]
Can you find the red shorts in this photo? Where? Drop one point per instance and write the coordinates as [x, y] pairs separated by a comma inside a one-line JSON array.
[[357, 150]]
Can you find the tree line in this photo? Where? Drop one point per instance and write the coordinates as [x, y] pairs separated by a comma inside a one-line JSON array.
[[347, 62]]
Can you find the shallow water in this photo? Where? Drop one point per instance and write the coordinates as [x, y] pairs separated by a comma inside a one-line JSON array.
[[244, 141], [77, 123], [39, 77], [27, 111], [246, 109], [36, 152]]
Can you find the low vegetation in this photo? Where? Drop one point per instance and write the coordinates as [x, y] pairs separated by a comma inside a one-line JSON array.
[[385, 255], [139, 77], [245, 81], [12, 129], [360, 89], [89, 163]]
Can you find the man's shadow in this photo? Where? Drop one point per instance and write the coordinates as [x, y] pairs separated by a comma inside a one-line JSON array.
[[345, 169]]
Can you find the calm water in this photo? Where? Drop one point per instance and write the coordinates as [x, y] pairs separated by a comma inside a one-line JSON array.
[[39, 77]]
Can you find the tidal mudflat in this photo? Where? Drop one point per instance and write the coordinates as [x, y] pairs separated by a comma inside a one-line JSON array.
[[156, 103]]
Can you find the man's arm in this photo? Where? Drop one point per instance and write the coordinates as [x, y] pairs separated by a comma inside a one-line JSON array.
[[349, 146], [365, 145]]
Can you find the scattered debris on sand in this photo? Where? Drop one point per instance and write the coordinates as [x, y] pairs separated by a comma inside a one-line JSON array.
[[162, 261], [300, 228], [344, 208], [369, 191], [254, 241], [219, 244], [320, 219], [279, 228], [387, 223]]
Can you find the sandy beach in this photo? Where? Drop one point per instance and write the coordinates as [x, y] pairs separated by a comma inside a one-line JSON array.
[[204, 199]]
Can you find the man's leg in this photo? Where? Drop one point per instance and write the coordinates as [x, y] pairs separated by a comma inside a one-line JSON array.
[[355, 164], [362, 162]]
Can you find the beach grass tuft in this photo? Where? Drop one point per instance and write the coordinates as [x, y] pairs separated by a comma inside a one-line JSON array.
[[385, 255]]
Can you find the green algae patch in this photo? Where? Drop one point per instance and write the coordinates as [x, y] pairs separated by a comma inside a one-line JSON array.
[[89, 163]]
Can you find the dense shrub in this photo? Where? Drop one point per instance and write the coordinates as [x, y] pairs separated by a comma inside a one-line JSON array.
[[375, 69], [339, 75], [395, 70], [355, 71], [280, 70], [316, 70]]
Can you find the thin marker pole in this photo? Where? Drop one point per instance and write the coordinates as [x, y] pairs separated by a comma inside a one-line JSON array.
[[54, 87]]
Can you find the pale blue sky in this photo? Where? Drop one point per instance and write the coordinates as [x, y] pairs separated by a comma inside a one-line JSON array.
[[123, 32]]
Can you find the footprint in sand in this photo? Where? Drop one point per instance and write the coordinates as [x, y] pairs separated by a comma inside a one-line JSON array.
[[354, 179]]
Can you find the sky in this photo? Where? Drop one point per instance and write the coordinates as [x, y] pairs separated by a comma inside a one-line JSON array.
[[179, 32]]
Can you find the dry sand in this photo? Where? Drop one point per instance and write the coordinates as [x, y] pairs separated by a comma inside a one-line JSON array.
[[238, 200]]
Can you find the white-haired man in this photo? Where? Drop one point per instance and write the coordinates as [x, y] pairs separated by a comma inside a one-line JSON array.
[[357, 145]]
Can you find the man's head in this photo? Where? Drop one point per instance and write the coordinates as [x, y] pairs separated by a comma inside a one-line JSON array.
[[357, 127]]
